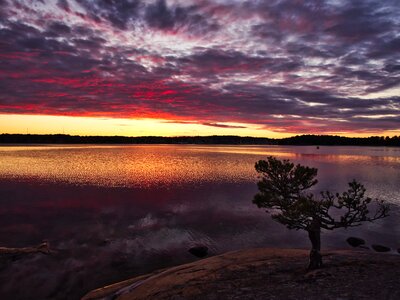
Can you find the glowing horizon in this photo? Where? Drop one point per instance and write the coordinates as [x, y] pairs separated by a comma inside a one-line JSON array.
[[100, 126]]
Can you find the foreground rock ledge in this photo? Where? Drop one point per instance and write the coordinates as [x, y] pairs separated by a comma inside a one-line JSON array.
[[267, 274]]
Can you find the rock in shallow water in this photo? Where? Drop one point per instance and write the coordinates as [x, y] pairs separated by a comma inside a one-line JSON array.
[[355, 241], [380, 248], [199, 251]]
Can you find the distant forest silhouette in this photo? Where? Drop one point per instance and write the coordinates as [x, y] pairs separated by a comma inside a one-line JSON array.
[[316, 140]]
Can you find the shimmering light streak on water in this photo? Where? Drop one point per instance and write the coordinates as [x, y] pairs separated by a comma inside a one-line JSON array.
[[128, 166], [145, 166]]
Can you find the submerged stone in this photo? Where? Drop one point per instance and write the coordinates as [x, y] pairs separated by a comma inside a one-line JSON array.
[[380, 248], [355, 241], [199, 251]]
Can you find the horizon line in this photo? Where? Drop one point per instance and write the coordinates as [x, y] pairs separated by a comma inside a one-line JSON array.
[[199, 136]]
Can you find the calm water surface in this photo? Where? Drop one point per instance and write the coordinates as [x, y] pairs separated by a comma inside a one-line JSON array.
[[112, 212]]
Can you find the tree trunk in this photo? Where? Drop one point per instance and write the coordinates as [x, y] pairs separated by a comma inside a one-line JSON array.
[[314, 233]]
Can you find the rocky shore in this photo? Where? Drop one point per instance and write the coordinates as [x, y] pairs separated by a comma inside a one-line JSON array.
[[267, 274]]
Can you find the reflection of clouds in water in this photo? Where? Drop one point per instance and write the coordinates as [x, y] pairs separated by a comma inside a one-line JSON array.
[[157, 240], [167, 240], [146, 222], [78, 265], [166, 233]]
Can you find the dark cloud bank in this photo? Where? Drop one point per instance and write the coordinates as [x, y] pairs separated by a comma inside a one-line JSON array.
[[315, 66]]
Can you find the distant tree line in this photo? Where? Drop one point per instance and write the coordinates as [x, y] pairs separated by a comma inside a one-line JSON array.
[[316, 140], [333, 140], [74, 139]]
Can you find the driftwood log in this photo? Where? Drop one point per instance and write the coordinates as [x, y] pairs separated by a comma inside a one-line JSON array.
[[41, 248]]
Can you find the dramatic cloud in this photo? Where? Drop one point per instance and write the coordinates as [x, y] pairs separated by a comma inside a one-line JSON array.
[[287, 66]]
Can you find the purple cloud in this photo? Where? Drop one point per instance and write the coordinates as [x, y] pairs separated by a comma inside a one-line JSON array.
[[286, 66]]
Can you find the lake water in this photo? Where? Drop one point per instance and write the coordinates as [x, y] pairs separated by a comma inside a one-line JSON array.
[[113, 212]]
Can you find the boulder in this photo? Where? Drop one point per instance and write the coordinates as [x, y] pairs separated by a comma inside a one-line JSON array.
[[380, 248], [355, 241], [199, 251]]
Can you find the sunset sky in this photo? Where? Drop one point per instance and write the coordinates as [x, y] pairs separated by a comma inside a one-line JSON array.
[[268, 68]]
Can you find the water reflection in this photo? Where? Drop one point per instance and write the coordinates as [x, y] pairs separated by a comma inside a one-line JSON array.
[[116, 211], [148, 166]]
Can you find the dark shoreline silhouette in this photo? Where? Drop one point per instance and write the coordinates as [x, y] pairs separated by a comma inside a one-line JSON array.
[[317, 140]]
